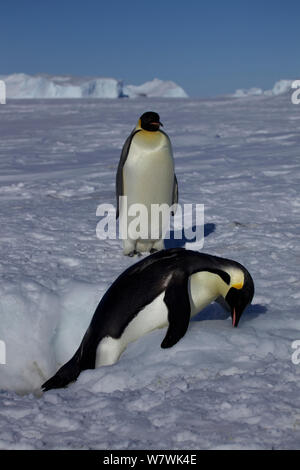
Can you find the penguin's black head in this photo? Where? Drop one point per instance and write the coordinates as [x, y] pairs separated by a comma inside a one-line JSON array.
[[150, 121], [238, 298]]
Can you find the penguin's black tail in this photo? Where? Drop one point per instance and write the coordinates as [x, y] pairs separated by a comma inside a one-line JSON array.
[[66, 374]]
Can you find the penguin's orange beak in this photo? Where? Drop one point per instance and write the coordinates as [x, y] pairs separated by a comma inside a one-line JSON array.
[[156, 124]]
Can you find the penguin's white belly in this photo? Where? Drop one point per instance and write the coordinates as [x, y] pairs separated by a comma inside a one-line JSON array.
[[203, 288], [151, 317], [148, 173], [150, 180]]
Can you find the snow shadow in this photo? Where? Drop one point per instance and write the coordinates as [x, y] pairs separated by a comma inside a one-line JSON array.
[[215, 311], [254, 311], [181, 240]]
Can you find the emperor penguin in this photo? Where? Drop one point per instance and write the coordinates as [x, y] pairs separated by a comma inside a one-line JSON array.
[[162, 290], [146, 176]]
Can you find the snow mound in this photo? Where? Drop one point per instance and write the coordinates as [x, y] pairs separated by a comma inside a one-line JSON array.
[[41, 329], [21, 85], [156, 89], [25, 326]]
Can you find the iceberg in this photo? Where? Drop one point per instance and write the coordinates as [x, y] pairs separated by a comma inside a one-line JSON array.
[[24, 86], [155, 89], [280, 87]]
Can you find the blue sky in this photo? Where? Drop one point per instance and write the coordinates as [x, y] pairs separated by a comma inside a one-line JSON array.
[[208, 47]]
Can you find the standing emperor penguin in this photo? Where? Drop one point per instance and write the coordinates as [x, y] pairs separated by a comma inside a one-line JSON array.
[[145, 176], [162, 290]]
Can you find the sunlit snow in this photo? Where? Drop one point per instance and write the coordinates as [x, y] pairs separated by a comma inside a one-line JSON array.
[[217, 388]]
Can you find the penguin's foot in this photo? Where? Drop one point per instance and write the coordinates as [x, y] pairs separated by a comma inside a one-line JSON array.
[[133, 253]]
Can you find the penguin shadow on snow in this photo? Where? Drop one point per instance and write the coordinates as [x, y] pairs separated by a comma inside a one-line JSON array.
[[181, 240], [215, 311]]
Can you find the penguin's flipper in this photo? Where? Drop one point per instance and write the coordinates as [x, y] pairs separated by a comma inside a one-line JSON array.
[[175, 191], [179, 310], [119, 176], [175, 194]]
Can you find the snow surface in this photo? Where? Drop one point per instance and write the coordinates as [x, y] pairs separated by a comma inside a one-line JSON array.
[[219, 387], [21, 85]]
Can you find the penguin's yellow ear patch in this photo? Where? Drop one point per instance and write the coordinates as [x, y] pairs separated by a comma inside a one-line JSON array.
[[238, 285], [139, 124], [237, 277]]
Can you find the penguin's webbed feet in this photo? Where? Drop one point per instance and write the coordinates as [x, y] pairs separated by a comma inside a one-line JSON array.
[[133, 253]]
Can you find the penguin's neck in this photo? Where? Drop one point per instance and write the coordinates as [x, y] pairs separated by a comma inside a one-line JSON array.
[[204, 288]]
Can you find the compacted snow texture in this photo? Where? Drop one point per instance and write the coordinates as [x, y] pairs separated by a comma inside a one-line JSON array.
[[219, 387]]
